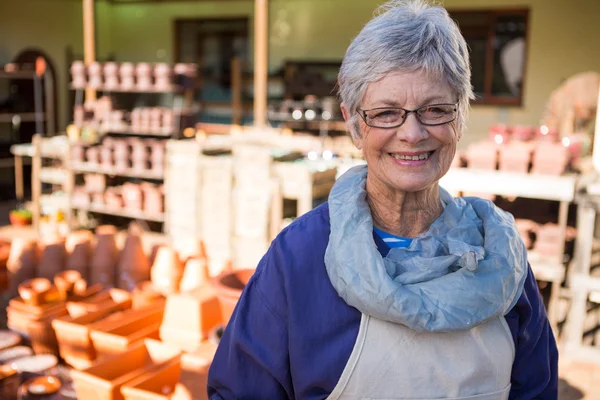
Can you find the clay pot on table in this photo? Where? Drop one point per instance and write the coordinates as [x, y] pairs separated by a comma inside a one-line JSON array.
[[104, 379], [482, 155], [195, 274], [190, 317], [194, 370], [34, 291], [550, 158], [167, 271], [144, 295], [499, 134], [133, 266], [515, 156], [9, 383], [127, 73], [53, 257], [22, 263], [69, 283], [105, 257], [41, 388], [79, 246], [229, 286]]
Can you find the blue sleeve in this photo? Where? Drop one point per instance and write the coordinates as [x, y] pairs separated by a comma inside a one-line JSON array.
[[251, 361], [535, 369]]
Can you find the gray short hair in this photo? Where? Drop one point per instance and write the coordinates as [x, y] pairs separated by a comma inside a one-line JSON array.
[[406, 35]]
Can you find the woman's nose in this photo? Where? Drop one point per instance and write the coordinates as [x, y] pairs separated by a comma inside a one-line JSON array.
[[412, 131]]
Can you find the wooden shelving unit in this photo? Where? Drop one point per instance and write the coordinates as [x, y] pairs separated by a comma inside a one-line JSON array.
[[96, 169], [122, 212], [532, 186]]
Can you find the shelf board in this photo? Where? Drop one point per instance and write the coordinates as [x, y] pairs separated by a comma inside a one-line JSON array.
[[130, 132], [127, 213], [17, 75], [25, 117], [91, 168], [510, 184], [174, 89], [547, 269], [53, 175]]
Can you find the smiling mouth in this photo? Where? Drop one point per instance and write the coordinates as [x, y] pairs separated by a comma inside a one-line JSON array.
[[412, 156]]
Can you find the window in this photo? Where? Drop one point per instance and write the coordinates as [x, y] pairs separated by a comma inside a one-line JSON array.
[[497, 41]]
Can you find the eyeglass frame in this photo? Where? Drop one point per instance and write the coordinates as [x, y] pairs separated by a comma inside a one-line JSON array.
[[363, 115]]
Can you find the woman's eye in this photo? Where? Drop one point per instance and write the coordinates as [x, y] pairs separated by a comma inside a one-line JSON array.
[[386, 115]]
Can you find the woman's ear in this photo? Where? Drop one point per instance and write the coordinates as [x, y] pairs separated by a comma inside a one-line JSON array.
[[351, 127]]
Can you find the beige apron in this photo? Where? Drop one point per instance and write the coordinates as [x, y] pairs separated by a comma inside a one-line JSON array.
[[390, 361]]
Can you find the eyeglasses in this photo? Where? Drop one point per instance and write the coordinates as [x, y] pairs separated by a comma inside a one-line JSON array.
[[393, 117]]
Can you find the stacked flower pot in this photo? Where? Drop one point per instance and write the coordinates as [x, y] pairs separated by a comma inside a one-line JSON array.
[[522, 149], [127, 76]]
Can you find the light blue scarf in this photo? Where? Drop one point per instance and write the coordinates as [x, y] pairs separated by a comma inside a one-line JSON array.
[[469, 267]]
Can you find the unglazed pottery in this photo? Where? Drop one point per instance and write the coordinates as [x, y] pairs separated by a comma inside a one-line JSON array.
[[167, 271], [195, 274], [53, 257], [79, 246], [22, 263], [105, 257], [229, 286], [134, 265]]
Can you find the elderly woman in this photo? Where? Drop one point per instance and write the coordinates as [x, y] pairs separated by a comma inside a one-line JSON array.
[[394, 289]]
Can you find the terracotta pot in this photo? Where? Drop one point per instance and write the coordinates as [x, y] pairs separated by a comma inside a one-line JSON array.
[[79, 252], [145, 295], [143, 76], [95, 75], [80, 197], [167, 271], [78, 80], [550, 158], [34, 291], [153, 200], [139, 155], [8, 339], [482, 155], [113, 198], [162, 76], [69, 283], [9, 383], [111, 76], [189, 317], [229, 286], [92, 155], [133, 264], [161, 383], [157, 157], [127, 73], [523, 133], [22, 263], [105, 257], [77, 153], [195, 274], [41, 388], [53, 257], [515, 157], [98, 199], [499, 134], [104, 379], [194, 370], [106, 157], [132, 196], [132, 328], [526, 229]]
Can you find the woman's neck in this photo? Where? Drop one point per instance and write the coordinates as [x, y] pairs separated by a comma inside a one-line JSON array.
[[406, 214]]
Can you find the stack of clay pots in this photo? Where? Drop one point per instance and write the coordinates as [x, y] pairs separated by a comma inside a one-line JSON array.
[[4, 253], [132, 77], [549, 240], [550, 158]]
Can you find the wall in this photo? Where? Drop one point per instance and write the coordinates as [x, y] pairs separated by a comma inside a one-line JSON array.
[[51, 26], [563, 39]]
